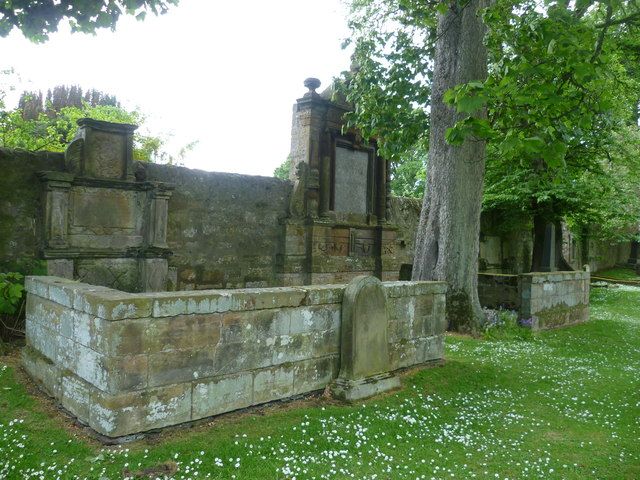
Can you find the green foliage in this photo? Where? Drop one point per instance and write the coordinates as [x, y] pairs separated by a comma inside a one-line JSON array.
[[39, 18], [408, 174], [11, 292], [561, 100], [52, 133], [36, 125], [282, 171], [389, 81]]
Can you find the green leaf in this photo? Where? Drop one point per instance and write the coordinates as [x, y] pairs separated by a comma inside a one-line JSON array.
[[442, 8], [449, 97], [454, 136], [551, 46], [470, 104], [554, 154]]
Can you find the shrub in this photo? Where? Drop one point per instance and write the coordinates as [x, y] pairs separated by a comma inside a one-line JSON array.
[[11, 304]]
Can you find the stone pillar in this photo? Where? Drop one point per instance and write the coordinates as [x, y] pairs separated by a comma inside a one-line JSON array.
[[549, 249], [382, 193], [157, 221], [633, 257], [154, 267], [308, 123], [325, 187], [154, 273], [56, 208], [364, 349]]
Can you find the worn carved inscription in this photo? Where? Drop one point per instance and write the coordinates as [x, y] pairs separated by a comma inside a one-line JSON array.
[[351, 178], [105, 155], [333, 243]]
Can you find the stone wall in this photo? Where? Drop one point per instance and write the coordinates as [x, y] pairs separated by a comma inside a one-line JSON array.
[[125, 363], [21, 209], [231, 231], [404, 213], [555, 299], [225, 230], [498, 290], [545, 300], [599, 255]]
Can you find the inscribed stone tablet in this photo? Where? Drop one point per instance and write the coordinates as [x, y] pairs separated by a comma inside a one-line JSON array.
[[351, 172], [105, 155]]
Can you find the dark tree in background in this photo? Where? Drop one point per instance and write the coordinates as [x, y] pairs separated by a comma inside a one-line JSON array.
[[33, 104]]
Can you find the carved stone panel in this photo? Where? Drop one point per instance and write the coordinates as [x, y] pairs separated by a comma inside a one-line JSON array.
[[106, 218], [362, 243], [331, 242], [351, 181], [105, 155]]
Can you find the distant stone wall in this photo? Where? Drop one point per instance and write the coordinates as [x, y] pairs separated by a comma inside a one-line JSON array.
[[224, 230], [543, 299], [125, 363], [599, 255], [404, 213]]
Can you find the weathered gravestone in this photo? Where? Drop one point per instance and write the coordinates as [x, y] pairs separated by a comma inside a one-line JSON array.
[[101, 225], [364, 350]]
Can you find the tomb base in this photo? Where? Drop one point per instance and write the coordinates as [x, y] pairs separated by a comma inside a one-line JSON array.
[[353, 390]]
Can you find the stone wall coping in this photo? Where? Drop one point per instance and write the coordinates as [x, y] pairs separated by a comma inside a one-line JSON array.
[[539, 277], [561, 275], [405, 288], [111, 304]]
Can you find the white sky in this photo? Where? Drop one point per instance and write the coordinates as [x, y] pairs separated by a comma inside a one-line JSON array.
[[224, 73]]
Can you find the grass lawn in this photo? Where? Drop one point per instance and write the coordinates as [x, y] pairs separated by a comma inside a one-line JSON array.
[[619, 274], [563, 405]]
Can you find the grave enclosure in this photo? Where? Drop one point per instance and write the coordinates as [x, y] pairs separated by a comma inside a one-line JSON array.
[[172, 295], [124, 355]]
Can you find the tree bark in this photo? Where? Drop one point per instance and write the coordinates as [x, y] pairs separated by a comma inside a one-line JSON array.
[[447, 243]]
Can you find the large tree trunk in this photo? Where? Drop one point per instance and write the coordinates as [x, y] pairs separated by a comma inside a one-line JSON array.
[[448, 236]]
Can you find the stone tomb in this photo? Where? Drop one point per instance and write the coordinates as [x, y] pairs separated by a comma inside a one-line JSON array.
[[125, 363], [101, 225], [338, 225], [545, 299]]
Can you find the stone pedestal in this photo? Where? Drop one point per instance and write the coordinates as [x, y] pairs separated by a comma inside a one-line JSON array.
[[364, 350]]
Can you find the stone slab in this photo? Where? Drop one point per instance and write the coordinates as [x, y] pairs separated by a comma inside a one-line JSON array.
[[354, 390]]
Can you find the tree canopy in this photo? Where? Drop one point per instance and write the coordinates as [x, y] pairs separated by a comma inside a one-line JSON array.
[[37, 19], [50, 123], [561, 98]]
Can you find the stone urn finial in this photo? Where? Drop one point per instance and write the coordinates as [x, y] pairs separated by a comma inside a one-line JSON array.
[[312, 84]]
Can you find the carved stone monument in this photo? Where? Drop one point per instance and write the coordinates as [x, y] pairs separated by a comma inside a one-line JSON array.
[[337, 228], [364, 348], [102, 226]]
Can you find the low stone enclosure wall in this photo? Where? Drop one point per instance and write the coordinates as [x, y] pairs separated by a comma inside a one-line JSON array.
[[548, 300], [124, 363]]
